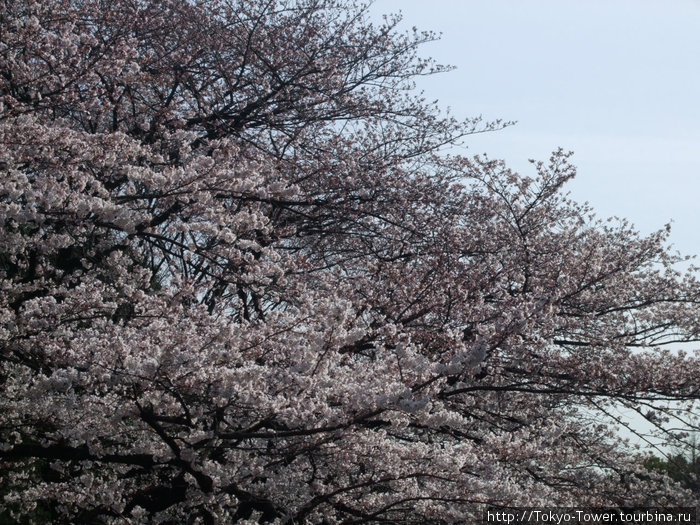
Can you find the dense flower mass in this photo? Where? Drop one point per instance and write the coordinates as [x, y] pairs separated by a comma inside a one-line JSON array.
[[239, 283]]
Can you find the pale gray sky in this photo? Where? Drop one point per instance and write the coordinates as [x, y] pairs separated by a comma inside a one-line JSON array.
[[616, 81]]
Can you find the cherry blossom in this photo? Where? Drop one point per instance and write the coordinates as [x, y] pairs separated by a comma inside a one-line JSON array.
[[242, 281]]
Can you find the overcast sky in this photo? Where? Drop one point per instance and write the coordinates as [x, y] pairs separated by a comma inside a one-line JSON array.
[[616, 81]]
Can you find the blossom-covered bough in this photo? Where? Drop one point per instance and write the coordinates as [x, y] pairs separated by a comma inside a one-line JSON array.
[[239, 281]]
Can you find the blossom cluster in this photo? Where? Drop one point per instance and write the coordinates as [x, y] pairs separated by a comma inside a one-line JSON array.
[[240, 283]]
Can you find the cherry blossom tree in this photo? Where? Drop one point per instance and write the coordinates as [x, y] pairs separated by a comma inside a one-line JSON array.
[[242, 282]]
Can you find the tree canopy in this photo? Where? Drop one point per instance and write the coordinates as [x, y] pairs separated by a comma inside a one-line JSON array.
[[241, 281]]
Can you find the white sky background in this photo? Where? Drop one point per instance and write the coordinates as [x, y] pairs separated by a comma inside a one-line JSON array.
[[616, 81]]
